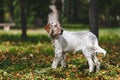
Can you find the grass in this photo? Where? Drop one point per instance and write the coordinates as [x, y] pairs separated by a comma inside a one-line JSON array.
[[31, 59]]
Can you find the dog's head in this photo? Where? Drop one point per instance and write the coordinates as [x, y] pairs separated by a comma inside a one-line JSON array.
[[53, 29]]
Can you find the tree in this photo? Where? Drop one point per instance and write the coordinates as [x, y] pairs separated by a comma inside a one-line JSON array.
[[1, 11], [53, 16], [23, 18], [60, 8], [93, 16], [56, 8]]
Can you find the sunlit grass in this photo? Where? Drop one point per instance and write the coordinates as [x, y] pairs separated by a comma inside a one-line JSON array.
[[32, 58]]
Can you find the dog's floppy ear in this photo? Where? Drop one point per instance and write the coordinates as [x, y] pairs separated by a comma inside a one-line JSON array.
[[47, 28], [58, 28]]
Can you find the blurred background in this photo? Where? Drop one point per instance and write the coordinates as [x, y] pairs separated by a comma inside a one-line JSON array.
[[34, 13], [72, 11], [25, 14]]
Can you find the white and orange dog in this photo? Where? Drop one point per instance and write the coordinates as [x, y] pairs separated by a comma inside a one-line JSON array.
[[65, 41]]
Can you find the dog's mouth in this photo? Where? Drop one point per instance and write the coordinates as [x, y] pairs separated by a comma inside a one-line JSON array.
[[56, 33]]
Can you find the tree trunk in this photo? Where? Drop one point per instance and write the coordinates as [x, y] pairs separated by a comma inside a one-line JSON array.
[[70, 11], [53, 16], [75, 10], [11, 11], [23, 18], [1, 14], [93, 16], [60, 8]]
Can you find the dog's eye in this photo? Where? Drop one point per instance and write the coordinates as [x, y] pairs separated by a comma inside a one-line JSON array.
[[56, 25]]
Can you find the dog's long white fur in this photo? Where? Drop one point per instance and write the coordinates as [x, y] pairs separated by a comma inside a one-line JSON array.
[[76, 41]]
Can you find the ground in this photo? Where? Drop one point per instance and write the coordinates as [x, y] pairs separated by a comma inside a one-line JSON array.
[[31, 59]]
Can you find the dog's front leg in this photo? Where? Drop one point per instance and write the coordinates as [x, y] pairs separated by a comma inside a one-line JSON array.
[[57, 58], [63, 61]]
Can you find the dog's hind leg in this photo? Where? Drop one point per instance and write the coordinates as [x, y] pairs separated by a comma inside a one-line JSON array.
[[89, 56], [97, 63]]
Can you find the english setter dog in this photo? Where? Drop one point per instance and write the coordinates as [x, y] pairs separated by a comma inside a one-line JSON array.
[[65, 41]]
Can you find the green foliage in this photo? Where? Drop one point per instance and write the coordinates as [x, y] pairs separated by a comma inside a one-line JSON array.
[[32, 58], [39, 9], [74, 11], [107, 15]]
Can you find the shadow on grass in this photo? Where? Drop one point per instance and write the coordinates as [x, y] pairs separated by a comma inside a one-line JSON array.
[[31, 38]]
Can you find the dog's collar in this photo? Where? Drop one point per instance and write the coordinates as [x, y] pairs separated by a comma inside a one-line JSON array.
[[55, 36], [61, 32]]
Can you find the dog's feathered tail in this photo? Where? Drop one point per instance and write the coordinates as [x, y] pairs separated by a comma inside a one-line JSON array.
[[100, 50], [96, 48]]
